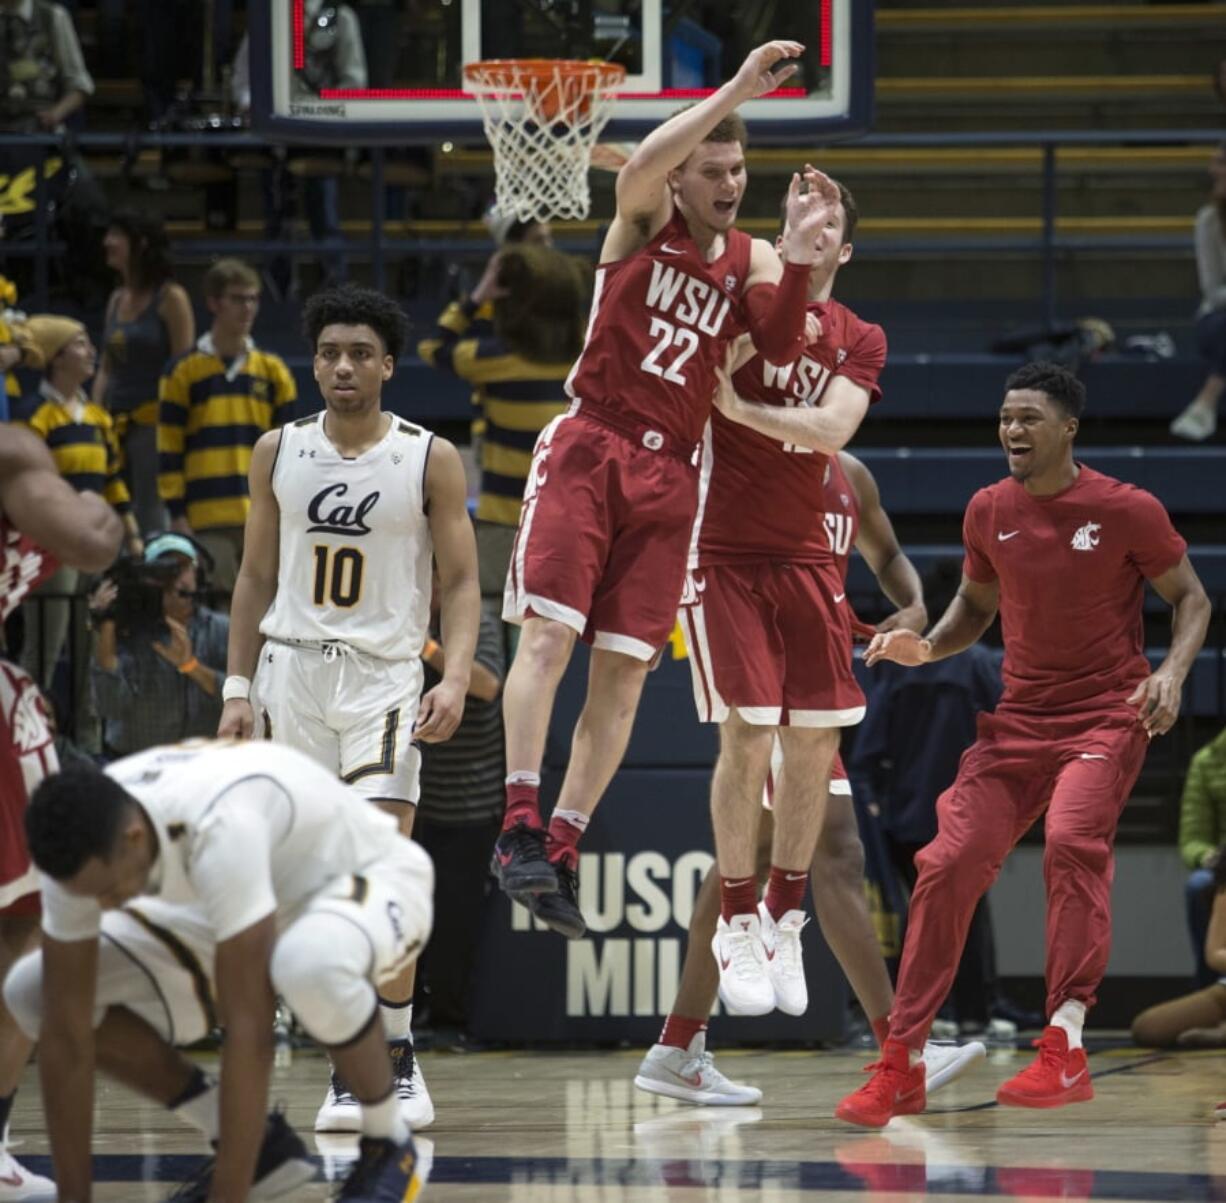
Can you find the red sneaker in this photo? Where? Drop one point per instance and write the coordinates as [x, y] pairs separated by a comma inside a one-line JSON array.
[[1058, 1075], [894, 1089]]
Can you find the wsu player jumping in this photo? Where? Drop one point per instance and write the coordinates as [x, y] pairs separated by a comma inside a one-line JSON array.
[[767, 623], [610, 501]]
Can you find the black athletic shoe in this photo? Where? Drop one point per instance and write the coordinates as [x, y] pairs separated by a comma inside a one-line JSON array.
[[386, 1172], [283, 1166], [560, 910], [520, 864]]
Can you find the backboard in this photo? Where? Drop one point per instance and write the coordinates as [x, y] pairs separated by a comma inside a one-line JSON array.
[[674, 51]]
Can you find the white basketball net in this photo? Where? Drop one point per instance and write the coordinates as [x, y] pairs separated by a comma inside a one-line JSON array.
[[542, 120]]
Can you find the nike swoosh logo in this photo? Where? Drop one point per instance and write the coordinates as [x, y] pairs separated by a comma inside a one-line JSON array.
[[794, 876], [838, 597], [11, 1180], [770, 954], [732, 885], [1068, 1082], [670, 250], [1003, 538], [724, 964], [695, 1080], [1092, 756]]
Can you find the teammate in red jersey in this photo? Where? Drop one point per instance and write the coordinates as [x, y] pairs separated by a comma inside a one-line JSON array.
[[766, 620], [42, 520], [1064, 553], [600, 551]]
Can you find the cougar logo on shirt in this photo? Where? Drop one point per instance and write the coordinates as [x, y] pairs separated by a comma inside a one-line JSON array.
[[28, 724], [690, 594], [686, 299], [339, 519], [1086, 538]]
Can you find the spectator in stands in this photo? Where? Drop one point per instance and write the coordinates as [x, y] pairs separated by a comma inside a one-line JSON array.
[[335, 58], [917, 725], [214, 402], [157, 682], [149, 320], [1202, 830], [1196, 1020], [81, 440], [458, 817], [540, 301], [1199, 420], [43, 78]]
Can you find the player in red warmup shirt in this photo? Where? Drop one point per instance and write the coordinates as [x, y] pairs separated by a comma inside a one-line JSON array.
[[601, 547], [767, 623], [42, 520], [1064, 553]]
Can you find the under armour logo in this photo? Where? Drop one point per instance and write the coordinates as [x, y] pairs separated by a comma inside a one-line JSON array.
[[1086, 538], [840, 356], [303, 452], [396, 457], [693, 588], [730, 283]]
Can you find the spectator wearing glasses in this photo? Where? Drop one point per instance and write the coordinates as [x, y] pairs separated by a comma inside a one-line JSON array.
[[214, 403]]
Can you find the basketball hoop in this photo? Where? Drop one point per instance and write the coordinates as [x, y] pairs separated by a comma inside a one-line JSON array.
[[542, 117]]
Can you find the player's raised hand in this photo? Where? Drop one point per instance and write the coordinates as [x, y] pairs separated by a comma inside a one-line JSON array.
[[760, 73], [1157, 700], [901, 646], [237, 720], [441, 711], [813, 198]]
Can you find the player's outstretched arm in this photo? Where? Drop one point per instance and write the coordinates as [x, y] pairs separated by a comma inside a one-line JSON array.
[[254, 589], [969, 615], [455, 553], [643, 199], [1158, 697], [879, 546], [66, 1060], [248, 1007], [81, 530], [827, 427]]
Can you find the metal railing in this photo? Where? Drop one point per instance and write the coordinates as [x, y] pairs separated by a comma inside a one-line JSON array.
[[1048, 243]]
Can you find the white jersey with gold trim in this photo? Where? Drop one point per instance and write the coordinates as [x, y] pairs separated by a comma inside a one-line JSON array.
[[355, 557]]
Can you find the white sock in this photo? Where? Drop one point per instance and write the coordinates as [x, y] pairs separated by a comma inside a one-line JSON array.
[[397, 1020], [575, 818], [520, 777], [203, 1111], [383, 1121], [1070, 1016]]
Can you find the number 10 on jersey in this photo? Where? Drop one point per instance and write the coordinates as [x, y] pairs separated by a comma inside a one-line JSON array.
[[338, 575]]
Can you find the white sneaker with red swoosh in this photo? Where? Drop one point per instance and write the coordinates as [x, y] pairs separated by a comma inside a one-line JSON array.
[[18, 1185], [689, 1074], [744, 983], [784, 963]]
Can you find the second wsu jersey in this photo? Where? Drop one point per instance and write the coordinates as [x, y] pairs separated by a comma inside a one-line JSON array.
[[842, 514], [659, 326], [356, 551], [753, 489]]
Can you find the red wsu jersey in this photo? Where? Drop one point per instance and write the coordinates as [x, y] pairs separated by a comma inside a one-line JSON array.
[[23, 565], [1072, 569], [760, 499], [659, 326], [842, 517]]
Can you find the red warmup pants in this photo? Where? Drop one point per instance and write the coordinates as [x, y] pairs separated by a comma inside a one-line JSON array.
[[1080, 769]]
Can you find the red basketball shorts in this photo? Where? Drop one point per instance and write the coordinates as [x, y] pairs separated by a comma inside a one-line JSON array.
[[603, 534], [773, 642]]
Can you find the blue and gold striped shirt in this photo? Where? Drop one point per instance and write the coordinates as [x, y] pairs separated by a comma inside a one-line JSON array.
[[210, 415], [81, 439], [516, 398]]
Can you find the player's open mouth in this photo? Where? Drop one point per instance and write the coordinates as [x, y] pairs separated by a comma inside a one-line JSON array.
[[1017, 452], [725, 206]]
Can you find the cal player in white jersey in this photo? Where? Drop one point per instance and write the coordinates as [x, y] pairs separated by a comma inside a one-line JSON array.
[[332, 600], [194, 883]]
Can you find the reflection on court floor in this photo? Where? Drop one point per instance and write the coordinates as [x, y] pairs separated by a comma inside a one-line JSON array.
[[571, 1127]]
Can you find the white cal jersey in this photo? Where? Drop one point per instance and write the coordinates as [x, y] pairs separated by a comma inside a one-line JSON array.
[[245, 829], [356, 551]]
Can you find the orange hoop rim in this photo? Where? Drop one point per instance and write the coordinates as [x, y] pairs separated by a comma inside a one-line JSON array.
[[513, 74]]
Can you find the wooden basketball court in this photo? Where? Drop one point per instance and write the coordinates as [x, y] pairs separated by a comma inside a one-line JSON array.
[[571, 1128]]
